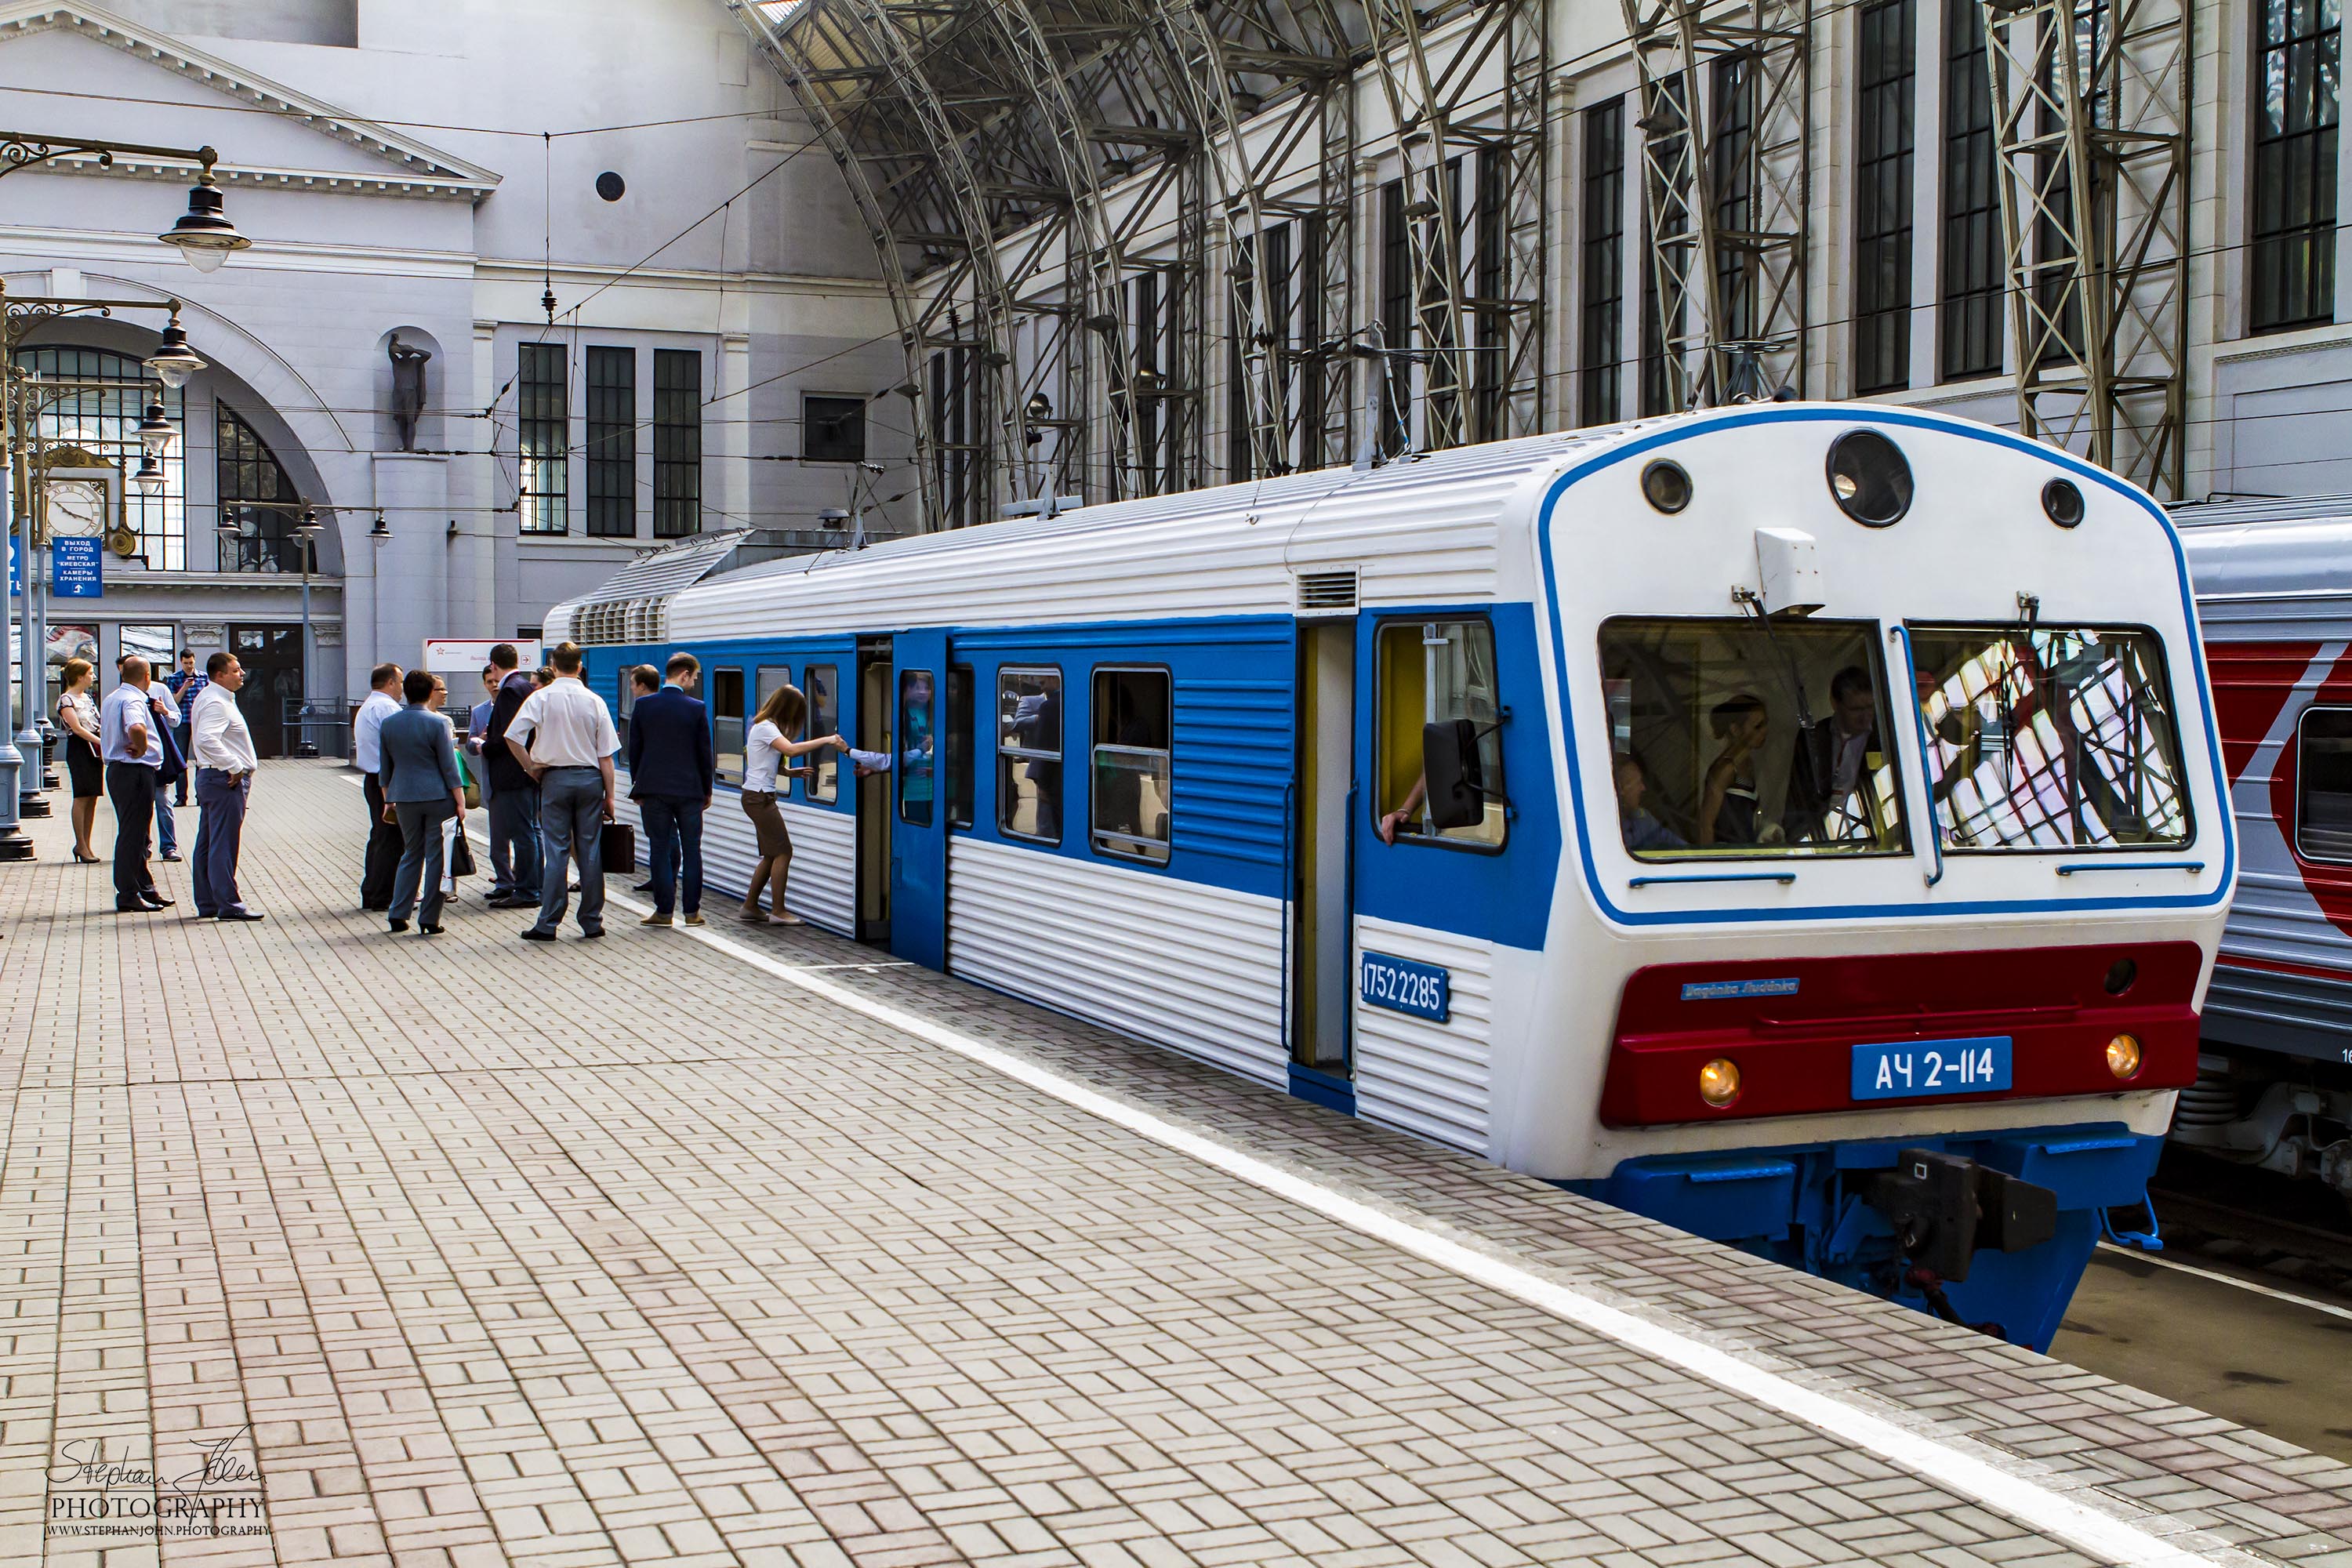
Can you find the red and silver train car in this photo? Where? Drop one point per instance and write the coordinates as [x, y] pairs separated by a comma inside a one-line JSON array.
[[2274, 583]]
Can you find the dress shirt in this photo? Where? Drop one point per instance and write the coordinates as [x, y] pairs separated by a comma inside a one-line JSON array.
[[366, 755], [221, 738], [565, 725], [126, 706]]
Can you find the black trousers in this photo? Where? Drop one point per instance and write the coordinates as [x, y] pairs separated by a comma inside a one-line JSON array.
[[132, 787], [383, 850]]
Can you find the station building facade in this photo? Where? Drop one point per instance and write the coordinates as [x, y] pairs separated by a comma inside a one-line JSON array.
[[389, 162]]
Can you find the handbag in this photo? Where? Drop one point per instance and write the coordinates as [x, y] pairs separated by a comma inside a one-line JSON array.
[[616, 847], [461, 855]]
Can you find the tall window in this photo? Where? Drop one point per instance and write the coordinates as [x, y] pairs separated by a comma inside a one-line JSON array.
[[677, 443], [2294, 164], [543, 406], [257, 496], [1732, 159], [1602, 328], [1882, 220], [1968, 323], [1396, 314], [104, 422], [1029, 753], [612, 443]]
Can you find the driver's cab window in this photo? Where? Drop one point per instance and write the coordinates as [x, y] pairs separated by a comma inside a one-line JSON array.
[[1434, 672], [1733, 736]]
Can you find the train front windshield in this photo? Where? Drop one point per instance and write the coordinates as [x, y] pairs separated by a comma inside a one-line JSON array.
[[1736, 737], [2051, 738], [1733, 736]]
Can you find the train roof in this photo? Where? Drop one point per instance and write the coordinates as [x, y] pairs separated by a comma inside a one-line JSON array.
[[1436, 527], [1426, 527], [2271, 566]]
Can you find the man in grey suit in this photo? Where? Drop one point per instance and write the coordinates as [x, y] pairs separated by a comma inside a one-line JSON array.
[[421, 788]]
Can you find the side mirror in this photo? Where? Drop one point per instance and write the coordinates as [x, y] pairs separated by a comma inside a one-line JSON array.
[[1449, 761]]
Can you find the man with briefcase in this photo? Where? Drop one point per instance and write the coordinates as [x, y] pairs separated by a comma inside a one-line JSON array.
[[564, 737]]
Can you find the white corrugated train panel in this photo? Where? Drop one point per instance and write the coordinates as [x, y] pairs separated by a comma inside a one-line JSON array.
[[1179, 963], [1430, 530], [1428, 1078], [825, 858]]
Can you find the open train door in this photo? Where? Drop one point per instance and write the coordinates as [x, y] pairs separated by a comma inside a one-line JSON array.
[[1321, 886], [870, 730], [918, 806]]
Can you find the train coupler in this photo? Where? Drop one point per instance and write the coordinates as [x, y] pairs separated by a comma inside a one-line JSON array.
[[1943, 1209]]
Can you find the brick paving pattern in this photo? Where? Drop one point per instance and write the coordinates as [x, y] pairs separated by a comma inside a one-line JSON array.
[[467, 1252]]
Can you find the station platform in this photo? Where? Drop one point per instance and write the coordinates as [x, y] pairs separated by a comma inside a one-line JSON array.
[[744, 1245]]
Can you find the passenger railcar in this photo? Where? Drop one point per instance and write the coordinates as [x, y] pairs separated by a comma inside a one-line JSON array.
[[1802, 823], [2275, 587]]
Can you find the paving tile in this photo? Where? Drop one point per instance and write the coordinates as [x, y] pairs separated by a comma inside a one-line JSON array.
[[467, 1252]]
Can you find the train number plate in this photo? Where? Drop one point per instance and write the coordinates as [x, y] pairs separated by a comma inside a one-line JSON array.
[[1404, 985], [1908, 1068]]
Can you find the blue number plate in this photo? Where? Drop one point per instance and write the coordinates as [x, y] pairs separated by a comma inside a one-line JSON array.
[[1908, 1068], [1405, 985]]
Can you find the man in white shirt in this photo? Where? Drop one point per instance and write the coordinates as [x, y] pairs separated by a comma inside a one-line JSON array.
[[384, 839], [127, 740], [220, 750], [564, 738]]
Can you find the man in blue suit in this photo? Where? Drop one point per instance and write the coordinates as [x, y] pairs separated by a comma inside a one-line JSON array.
[[670, 770], [418, 758]]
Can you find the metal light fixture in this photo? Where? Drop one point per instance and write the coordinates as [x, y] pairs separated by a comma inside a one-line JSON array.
[[310, 527], [227, 527], [382, 532], [204, 234], [148, 478], [155, 432], [174, 361]]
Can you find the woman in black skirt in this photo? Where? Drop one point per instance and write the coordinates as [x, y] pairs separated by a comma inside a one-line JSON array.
[[78, 711]]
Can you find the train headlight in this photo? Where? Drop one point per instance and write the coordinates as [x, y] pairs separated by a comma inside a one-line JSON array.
[[2123, 1058], [1718, 1082], [2062, 502], [1869, 478], [1667, 484]]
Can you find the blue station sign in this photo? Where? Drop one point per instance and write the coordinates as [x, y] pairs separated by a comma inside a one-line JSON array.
[[76, 569], [1406, 985]]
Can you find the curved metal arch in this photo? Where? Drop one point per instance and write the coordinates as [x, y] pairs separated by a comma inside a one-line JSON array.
[[829, 130]]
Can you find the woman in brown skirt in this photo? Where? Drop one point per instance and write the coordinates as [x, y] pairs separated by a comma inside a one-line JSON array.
[[779, 718]]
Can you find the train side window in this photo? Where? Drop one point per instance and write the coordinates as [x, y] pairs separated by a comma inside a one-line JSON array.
[[624, 703], [2323, 784], [766, 680], [727, 722], [1029, 753], [1431, 671], [955, 746], [824, 694], [1134, 737], [918, 756]]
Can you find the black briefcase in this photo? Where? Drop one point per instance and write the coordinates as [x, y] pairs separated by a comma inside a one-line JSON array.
[[617, 848]]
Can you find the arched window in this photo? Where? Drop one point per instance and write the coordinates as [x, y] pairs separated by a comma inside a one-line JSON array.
[[256, 495], [103, 420]]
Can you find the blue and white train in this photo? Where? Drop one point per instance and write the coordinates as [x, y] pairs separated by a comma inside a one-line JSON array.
[[1803, 824]]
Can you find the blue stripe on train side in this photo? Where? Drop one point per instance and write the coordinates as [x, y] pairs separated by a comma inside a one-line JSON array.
[[1571, 674], [1233, 681]]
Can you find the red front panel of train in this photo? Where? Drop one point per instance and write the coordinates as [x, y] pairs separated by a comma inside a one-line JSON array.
[[1791, 1027]]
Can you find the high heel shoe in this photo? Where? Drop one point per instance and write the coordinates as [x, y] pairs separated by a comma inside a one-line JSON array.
[[86, 859]]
